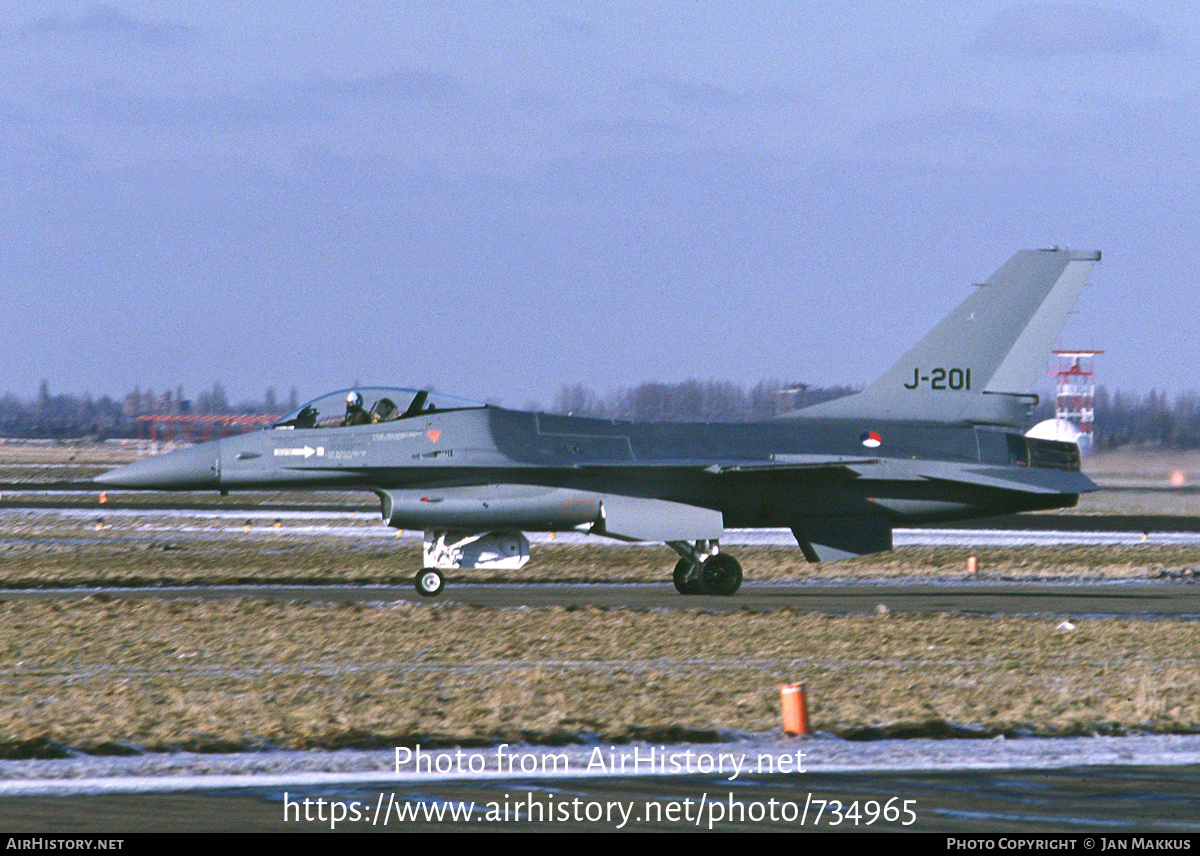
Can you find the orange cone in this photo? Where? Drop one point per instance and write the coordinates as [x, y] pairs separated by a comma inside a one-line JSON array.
[[795, 708]]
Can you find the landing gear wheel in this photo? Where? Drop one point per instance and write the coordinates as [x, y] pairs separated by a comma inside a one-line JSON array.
[[721, 575], [430, 582], [683, 569]]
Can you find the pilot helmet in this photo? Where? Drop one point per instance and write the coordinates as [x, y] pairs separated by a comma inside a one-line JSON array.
[[354, 400]]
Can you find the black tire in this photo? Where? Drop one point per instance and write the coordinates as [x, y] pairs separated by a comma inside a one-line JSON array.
[[721, 575], [430, 582], [682, 584]]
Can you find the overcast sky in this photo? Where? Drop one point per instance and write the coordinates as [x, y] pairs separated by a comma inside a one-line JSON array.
[[500, 198]]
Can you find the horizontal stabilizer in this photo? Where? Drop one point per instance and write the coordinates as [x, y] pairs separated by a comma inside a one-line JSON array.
[[828, 539], [1023, 479]]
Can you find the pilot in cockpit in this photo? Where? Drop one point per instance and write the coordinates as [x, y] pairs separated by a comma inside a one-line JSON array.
[[355, 414]]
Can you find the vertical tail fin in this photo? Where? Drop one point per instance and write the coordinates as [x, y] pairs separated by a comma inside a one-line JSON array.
[[982, 362]]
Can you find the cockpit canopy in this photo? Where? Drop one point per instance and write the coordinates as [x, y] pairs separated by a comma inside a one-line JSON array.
[[370, 405]]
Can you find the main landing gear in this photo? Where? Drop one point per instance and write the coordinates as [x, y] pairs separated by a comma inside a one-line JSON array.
[[701, 569], [704, 570]]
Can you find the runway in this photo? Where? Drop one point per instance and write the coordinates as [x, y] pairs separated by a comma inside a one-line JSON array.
[[353, 520], [1168, 598], [984, 594]]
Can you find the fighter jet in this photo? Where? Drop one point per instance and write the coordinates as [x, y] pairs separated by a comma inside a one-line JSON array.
[[939, 437]]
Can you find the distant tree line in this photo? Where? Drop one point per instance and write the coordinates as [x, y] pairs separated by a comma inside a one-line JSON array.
[[1151, 419], [64, 415], [1122, 418], [693, 401]]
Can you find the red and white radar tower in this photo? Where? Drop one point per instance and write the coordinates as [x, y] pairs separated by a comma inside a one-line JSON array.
[[1075, 390]]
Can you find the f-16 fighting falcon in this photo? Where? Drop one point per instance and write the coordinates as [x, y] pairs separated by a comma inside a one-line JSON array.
[[939, 437]]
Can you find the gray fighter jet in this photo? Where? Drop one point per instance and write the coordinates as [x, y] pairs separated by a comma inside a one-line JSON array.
[[937, 438]]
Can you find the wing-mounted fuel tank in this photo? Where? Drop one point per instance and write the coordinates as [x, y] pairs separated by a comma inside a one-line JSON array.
[[491, 508], [483, 508]]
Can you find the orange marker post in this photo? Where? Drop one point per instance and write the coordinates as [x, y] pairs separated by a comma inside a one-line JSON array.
[[972, 565], [795, 708]]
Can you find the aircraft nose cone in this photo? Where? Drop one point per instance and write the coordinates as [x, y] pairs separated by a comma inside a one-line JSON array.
[[188, 469]]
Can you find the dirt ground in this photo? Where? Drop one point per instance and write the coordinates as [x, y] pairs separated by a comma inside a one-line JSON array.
[[108, 675], [117, 675]]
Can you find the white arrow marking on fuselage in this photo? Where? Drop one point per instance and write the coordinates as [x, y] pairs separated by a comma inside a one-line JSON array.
[[305, 452]]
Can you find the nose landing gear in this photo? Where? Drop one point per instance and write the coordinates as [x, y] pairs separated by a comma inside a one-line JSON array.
[[430, 582]]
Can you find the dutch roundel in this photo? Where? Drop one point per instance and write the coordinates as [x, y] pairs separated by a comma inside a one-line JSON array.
[[870, 439]]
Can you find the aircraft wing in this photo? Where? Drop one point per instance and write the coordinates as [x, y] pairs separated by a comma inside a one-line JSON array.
[[798, 462], [830, 463]]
